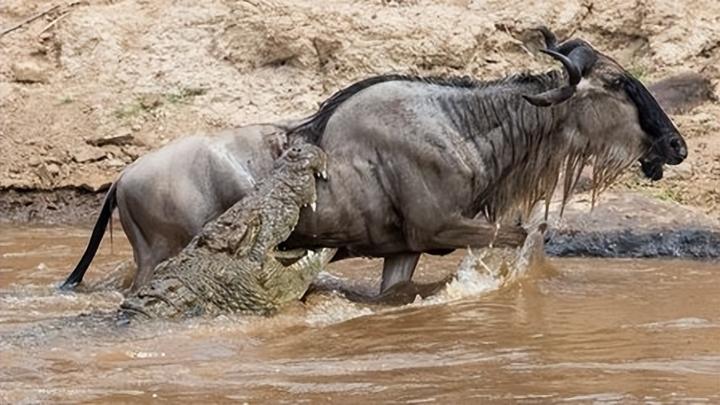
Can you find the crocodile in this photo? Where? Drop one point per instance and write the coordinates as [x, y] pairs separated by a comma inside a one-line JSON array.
[[233, 265]]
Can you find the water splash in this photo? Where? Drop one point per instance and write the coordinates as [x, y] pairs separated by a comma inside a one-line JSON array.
[[333, 308], [490, 269]]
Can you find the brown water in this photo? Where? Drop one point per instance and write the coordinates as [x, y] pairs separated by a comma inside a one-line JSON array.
[[607, 331]]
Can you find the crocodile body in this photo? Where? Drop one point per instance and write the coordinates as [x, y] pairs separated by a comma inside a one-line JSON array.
[[233, 265]]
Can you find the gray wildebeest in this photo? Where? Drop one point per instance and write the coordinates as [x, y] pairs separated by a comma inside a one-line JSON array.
[[165, 197], [428, 165]]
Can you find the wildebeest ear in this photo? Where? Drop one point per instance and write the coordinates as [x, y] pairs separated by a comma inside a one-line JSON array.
[[550, 97]]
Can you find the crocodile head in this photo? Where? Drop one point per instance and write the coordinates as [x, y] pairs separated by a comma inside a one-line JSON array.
[[304, 156], [299, 162]]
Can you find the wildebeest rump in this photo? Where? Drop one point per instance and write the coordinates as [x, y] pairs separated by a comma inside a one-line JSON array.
[[232, 265], [414, 160], [165, 197]]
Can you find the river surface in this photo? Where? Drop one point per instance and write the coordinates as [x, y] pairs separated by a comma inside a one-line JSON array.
[[572, 331]]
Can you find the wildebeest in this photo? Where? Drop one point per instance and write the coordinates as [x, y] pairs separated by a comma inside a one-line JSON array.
[[414, 160], [165, 197]]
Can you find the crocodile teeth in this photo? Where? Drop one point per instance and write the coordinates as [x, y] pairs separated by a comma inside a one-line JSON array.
[[313, 206], [321, 174]]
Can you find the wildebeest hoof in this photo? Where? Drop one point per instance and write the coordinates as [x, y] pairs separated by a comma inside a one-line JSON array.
[[67, 286]]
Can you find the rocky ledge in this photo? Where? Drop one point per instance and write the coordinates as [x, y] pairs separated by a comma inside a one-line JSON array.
[[630, 224]]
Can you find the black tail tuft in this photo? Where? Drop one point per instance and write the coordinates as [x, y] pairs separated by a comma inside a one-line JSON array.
[[94, 243]]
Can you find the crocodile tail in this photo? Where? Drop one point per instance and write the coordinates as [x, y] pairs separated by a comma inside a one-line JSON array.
[[95, 238]]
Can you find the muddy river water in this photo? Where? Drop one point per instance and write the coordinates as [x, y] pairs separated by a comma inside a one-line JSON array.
[[602, 331]]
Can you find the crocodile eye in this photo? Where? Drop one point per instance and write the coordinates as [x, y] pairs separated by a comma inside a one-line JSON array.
[[292, 153]]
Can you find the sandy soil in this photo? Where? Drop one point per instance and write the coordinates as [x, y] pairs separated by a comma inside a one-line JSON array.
[[92, 85]]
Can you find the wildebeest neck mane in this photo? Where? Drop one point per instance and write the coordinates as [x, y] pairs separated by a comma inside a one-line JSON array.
[[313, 126], [532, 150], [524, 149]]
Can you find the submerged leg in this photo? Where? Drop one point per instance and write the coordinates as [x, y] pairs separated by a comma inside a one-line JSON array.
[[397, 269], [402, 293], [145, 269]]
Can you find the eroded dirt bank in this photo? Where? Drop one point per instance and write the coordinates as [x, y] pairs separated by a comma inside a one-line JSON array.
[[91, 85]]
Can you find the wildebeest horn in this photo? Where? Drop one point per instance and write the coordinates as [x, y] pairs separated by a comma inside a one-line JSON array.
[[550, 97], [549, 37], [568, 46], [583, 57], [560, 94], [574, 73], [576, 56]]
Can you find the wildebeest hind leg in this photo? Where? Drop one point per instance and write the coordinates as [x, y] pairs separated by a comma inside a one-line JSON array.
[[478, 233], [398, 268]]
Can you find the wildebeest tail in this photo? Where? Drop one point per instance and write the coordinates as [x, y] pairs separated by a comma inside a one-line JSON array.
[[95, 238]]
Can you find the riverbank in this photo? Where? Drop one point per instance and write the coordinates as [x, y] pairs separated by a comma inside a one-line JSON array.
[[88, 87]]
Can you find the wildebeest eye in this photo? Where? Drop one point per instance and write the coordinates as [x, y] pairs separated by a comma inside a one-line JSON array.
[[615, 83]]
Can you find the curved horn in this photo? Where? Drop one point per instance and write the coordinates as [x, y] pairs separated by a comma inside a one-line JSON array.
[[558, 95], [570, 45], [576, 56], [583, 58], [550, 97], [577, 63], [548, 36], [574, 73]]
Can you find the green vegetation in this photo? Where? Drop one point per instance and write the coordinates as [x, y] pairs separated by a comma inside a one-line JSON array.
[[184, 95], [667, 194], [129, 111], [149, 102], [639, 72], [66, 100], [661, 191]]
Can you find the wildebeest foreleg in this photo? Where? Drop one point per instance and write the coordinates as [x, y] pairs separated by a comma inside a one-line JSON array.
[[478, 233], [398, 268]]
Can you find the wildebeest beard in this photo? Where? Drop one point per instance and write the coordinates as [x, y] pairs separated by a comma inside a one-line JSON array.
[[543, 153]]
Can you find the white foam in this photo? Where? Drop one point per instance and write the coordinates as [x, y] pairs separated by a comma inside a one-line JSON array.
[[335, 310], [682, 323], [474, 277]]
